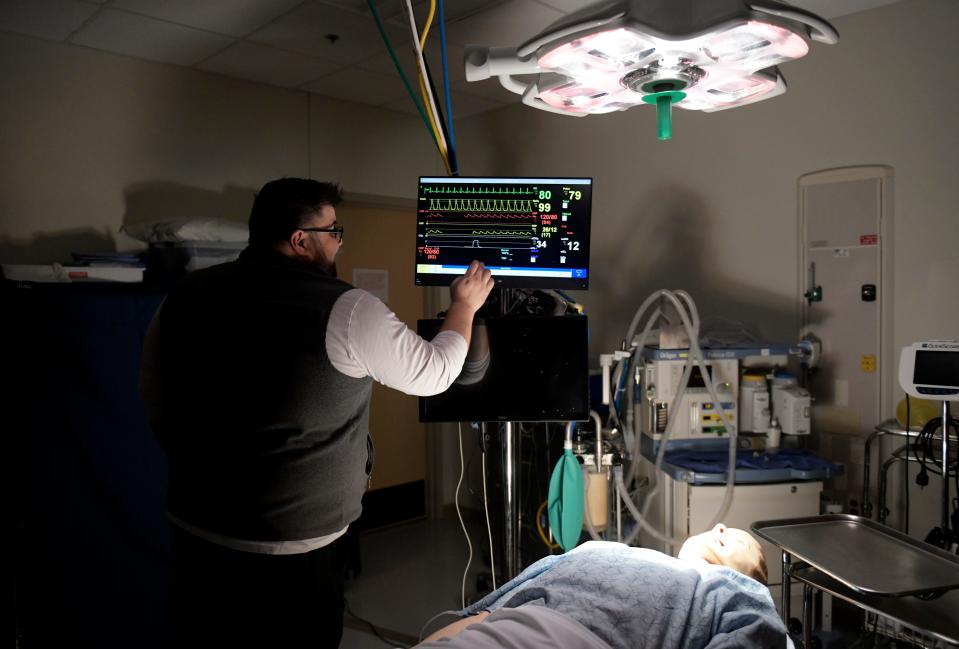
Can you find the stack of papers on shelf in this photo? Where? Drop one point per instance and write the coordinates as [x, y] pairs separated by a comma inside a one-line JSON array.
[[72, 273], [130, 259]]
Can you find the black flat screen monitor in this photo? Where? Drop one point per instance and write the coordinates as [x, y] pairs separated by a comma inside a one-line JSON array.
[[538, 370], [530, 232]]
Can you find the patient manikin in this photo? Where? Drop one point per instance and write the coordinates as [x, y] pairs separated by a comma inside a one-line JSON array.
[[727, 546], [604, 595]]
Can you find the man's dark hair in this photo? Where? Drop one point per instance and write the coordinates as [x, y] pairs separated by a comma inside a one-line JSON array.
[[284, 205]]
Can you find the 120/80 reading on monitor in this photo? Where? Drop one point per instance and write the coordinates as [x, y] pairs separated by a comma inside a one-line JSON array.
[[530, 232]]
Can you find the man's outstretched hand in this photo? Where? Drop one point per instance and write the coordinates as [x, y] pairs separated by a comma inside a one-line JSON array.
[[472, 287]]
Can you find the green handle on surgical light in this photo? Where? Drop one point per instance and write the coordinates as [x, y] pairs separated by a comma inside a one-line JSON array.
[[664, 108], [664, 117]]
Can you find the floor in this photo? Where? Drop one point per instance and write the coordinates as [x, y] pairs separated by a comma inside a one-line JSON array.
[[410, 573]]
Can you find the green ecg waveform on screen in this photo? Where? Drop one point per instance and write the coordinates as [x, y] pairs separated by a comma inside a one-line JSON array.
[[460, 189]]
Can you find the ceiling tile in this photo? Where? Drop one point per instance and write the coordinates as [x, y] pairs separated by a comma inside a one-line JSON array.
[[148, 38], [453, 10], [306, 30], [466, 105], [50, 19], [395, 10], [384, 8], [246, 60], [234, 18], [383, 63], [361, 86], [463, 105], [509, 24]]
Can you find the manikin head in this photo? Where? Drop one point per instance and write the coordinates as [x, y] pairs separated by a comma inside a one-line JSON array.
[[730, 547]]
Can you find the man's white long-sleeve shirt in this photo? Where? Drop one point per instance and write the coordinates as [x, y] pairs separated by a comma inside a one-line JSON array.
[[365, 338]]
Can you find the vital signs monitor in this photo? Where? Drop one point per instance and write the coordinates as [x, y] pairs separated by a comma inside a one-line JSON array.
[[529, 232]]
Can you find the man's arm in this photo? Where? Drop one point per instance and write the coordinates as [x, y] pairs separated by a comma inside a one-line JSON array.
[[468, 293], [365, 338]]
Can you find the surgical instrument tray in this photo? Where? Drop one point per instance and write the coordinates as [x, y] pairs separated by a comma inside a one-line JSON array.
[[867, 557]]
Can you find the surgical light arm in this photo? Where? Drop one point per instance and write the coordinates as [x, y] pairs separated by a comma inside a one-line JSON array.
[[485, 62]]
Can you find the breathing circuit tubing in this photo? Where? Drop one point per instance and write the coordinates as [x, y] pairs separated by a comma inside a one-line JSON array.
[[686, 308]]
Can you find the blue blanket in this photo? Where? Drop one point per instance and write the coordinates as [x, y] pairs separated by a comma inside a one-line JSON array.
[[633, 598]]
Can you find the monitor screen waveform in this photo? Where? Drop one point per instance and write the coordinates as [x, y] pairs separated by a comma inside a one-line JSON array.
[[530, 232]]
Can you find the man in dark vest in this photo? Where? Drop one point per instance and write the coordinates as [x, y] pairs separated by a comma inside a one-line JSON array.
[[257, 377]]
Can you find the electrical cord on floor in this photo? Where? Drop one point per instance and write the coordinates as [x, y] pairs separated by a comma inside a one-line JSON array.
[[430, 621], [456, 502], [373, 627]]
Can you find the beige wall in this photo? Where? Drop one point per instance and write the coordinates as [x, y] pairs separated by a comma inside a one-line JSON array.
[[369, 150], [714, 210], [91, 141]]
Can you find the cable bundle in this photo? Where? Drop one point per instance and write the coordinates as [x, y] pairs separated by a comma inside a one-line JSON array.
[[440, 128], [926, 446]]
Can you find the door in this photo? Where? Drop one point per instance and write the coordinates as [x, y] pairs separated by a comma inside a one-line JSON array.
[[378, 255], [845, 293]]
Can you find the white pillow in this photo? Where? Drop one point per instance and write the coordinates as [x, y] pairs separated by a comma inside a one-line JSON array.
[[188, 229]]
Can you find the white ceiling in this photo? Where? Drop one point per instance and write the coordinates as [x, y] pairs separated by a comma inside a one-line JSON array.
[[326, 47]]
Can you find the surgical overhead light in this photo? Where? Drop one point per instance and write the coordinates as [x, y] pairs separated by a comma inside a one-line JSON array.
[[704, 55]]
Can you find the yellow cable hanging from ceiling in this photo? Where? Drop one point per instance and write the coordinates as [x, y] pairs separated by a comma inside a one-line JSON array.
[[428, 100]]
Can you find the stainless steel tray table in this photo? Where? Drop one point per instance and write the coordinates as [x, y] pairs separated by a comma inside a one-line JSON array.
[[936, 617], [868, 559]]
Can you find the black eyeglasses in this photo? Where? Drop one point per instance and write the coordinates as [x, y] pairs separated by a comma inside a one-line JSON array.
[[336, 231]]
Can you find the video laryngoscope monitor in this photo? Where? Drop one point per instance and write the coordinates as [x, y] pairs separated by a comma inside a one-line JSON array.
[[930, 370]]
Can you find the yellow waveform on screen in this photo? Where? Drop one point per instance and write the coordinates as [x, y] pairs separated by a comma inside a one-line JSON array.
[[481, 205], [510, 233]]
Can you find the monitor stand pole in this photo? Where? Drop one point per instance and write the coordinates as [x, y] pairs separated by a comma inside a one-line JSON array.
[[511, 536], [509, 434]]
